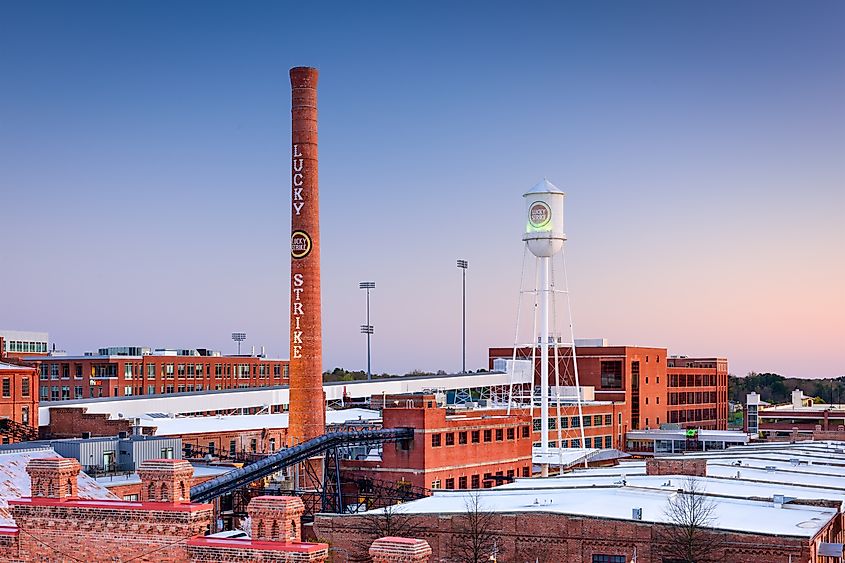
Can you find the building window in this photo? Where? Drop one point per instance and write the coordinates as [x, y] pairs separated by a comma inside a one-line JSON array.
[[232, 447], [511, 434], [7, 387], [574, 422], [537, 424], [167, 453], [597, 420], [132, 497], [450, 483], [588, 442], [587, 421], [608, 419], [526, 471], [611, 374], [435, 484], [500, 434], [462, 438], [435, 440], [77, 392], [450, 438], [272, 444], [525, 432], [476, 436], [462, 482], [475, 482], [253, 445], [25, 415], [488, 435], [601, 558]]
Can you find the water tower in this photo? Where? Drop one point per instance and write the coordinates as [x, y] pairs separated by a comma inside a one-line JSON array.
[[544, 237]]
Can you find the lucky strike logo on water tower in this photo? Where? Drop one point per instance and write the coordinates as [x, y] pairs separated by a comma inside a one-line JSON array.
[[539, 214]]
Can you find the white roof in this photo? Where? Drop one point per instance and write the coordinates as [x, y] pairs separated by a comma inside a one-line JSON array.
[[561, 456], [544, 187], [15, 481], [11, 367], [617, 503], [737, 488], [234, 423]]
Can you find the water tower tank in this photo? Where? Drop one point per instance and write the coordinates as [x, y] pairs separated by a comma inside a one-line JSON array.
[[544, 219]]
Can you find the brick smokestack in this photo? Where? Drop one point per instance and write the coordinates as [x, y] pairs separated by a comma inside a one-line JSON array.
[[307, 406]]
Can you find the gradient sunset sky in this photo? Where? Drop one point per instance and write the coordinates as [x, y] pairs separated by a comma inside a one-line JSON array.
[[145, 184]]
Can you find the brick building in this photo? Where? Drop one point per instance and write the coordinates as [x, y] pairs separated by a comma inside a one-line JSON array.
[[17, 344], [121, 372], [798, 419], [619, 515], [164, 525], [655, 388], [450, 450], [18, 403]]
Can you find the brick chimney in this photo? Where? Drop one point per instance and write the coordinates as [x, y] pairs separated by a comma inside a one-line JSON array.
[[54, 478], [276, 518], [400, 550], [166, 480]]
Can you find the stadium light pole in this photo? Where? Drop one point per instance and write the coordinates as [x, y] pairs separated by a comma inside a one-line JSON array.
[[463, 264], [368, 328], [239, 337]]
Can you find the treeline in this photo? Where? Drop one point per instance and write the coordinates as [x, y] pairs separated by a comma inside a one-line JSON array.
[[340, 374], [774, 388]]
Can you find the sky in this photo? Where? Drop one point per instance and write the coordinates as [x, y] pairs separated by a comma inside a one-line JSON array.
[[145, 180]]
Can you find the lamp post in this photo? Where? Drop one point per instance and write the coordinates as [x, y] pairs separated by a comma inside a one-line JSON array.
[[368, 328], [462, 264], [239, 337]]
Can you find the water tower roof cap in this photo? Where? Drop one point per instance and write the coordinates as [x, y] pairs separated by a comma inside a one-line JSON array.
[[544, 187]]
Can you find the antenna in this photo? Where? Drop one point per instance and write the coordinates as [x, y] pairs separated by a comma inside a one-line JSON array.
[[239, 337]]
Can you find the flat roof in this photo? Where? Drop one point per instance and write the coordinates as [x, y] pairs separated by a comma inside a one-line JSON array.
[[617, 503], [710, 435], [12, 367], [167, 426]]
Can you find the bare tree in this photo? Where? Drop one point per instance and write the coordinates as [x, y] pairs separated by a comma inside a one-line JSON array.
[[391, 520], [476, 539], [690, 536]]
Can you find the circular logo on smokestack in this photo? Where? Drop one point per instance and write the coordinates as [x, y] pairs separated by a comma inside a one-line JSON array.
[[539, 215], [300, 244]]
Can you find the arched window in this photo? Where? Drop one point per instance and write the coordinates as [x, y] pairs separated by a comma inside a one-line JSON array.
[[51, 489], [260, 530], [274, 531], [182, 495], [164, 496], [69, 488], [151, 492], [293, 534]]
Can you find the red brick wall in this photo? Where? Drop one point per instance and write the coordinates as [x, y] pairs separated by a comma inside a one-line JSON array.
[[555, 538], [696, 467], [262, 373], [425, 462], [148, 532], [14, 404], [71, 422]]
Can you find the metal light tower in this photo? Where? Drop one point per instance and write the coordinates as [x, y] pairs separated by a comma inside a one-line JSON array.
[[463, 264], [368, 328], [239, 337]]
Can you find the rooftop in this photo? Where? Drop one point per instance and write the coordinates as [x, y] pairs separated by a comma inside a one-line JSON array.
[[167, 426], [618, 502], [15, 482]]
